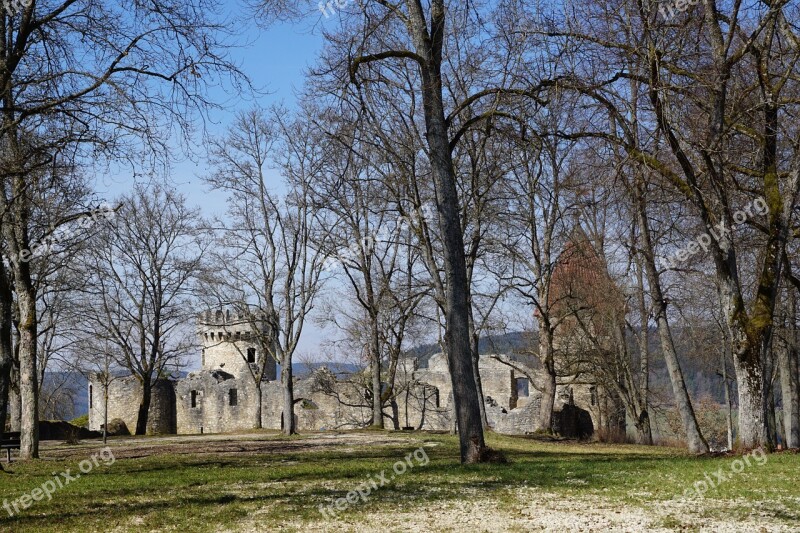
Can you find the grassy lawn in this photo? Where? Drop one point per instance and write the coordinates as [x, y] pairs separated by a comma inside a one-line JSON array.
[[263, 482]]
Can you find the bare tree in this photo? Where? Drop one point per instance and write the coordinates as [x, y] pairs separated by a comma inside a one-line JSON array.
[[139, 277], [272, 265], [716, 90]]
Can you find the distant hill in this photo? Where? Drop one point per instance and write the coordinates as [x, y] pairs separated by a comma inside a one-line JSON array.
[[507, 343]]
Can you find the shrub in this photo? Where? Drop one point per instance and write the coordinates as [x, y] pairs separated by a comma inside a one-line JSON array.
[[81, 421]]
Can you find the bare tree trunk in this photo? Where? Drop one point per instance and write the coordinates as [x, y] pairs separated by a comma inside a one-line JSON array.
[[14, 403], [375, 367], [752, 411], [457, 311], [105, 411], [629, 392], [547, 358], [5, 384], [257, 424], [787, 355], [28, 378], [288, 397], [476, 369], [644, 335], [694, 438], [772, 425], [726, 384], [6, 344], [144, 407]]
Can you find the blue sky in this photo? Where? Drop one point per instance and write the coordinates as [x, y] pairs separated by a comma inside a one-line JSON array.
[[275, 60]]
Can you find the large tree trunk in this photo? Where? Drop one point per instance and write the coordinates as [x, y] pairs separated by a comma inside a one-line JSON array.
[[288, 426], [752, 402], [547, 358], [28, 377], [144, 407], [787, 355], [457, 338], [429, 46]]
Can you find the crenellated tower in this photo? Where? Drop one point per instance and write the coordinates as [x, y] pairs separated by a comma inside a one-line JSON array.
[[233, 339]]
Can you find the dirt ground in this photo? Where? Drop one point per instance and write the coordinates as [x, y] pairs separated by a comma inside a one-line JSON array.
[[200, 445]]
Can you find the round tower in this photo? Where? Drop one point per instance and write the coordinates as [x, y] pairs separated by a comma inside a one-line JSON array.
[[232, 340]]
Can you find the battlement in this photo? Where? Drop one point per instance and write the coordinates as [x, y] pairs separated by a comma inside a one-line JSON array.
[[233, 339], [229, 324]]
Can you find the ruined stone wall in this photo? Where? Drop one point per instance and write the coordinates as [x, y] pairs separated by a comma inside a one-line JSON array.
[[124, 397], [342, 407], [213, 412], [323, 402]]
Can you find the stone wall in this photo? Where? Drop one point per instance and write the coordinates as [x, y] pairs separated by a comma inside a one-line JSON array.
[[227, 335], [124, 398], [202, 401], [213, 411]]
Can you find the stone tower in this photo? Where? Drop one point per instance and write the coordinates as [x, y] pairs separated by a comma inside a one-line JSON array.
[[232, 339]]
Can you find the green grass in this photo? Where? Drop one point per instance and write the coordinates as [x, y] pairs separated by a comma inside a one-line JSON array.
[[179, 490]]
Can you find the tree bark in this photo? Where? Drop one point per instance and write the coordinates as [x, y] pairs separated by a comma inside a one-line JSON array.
[[546, 356], [787, 355], [752, 403], [257, 424], [787, 359], [476, 369], [28, 377], [105, 411], [144, 407], [375, 367], [6, 344], [288, 397], [727, 390], [14, 403]]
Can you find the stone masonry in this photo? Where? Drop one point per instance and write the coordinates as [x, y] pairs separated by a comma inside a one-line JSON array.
[[222, 395]]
